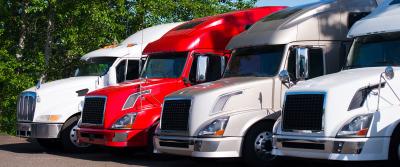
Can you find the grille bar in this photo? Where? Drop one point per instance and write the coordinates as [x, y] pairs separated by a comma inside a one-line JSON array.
[[93, 110], [303, 112], [175, 115], [26, 106]]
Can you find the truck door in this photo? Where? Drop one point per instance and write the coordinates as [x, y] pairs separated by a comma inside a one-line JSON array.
[[214, 70], [127, 69], [316, 66]]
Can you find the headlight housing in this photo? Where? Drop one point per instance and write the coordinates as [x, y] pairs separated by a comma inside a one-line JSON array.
[[126, 122], [357, 127], [215, 129], [131, 100], [221, 102], [48, 118]]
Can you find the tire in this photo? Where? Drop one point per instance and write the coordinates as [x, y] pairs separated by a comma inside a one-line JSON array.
[[257, 146], [49, 144], [69, 137], [394, 148]]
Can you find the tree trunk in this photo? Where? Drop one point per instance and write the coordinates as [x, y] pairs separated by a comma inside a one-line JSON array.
[[49, 35], [22, 35]]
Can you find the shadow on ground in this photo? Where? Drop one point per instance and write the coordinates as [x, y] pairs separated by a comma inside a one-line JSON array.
[[136, 157]]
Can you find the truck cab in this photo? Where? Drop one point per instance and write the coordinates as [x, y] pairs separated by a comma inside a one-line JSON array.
[[192, 53], [234, 116], [50, 111], [352, 115]]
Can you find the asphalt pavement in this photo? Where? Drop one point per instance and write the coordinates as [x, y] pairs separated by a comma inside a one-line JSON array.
[[20, 152]]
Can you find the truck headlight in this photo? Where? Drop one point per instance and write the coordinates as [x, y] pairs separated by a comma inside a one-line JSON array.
[[126, 122], [48, 118], [220, 104], [215, 128], [131, 100], [357, 127]]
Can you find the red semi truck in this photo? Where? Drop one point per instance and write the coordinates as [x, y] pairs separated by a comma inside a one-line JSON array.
[[194, 52]]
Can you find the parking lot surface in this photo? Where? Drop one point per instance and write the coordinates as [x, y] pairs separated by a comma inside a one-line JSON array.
[[20, 152]]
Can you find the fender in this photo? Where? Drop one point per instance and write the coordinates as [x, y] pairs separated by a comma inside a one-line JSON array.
[[249, 119]]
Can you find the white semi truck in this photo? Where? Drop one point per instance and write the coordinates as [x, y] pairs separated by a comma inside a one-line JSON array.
[[234, 117], [49, 112], [353, 115]]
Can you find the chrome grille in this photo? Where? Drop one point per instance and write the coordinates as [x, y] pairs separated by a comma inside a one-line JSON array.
[[175, 115], [303, 112], [26, 106], [93, 110]]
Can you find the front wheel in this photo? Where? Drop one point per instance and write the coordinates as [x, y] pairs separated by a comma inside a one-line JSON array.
[[69, 137], [257, 148], [394, 153]]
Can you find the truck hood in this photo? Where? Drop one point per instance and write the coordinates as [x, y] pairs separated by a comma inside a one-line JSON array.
[[156, 90], [340, 88], [52, 95], [67, 84], [251, 94]]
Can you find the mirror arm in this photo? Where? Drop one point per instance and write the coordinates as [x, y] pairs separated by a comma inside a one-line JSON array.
[[187, 81]]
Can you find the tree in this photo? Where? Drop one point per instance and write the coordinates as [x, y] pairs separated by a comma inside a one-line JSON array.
[[47, 37]]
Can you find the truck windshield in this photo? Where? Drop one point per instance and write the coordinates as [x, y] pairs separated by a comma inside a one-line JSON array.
[[255, 61], [165, 65], [375, 51], [94, 66]]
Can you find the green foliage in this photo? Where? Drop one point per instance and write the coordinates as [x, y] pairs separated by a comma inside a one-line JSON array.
[[47, 37]]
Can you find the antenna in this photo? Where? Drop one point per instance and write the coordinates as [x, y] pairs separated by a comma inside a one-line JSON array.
[[140, 62]]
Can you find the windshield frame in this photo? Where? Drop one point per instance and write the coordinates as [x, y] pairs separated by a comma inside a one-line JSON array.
[[149, 57], [90, 60], [350, 57], [283, 56]]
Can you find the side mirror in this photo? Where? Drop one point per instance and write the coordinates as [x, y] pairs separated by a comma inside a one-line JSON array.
[[302, 63], [202, 63], [285, 78], [389, 73]]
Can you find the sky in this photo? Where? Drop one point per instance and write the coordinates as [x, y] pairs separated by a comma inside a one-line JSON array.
[[283, 2]]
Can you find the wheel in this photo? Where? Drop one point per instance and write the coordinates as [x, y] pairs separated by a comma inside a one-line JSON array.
[[257, 146], [394, 150], [69, 137], [49, 144]]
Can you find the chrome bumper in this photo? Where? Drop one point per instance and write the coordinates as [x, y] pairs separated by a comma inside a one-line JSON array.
[[341, 149], [327, 146], [199, 147], [38, 130]]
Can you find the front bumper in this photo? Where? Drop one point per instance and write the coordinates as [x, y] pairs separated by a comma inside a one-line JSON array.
[[39, 130], [199, 147], [340, 149], [113, 138]]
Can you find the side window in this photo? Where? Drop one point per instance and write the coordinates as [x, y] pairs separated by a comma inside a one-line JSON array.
[[120, 71], [132, 72], [316, 63], [215, 68]]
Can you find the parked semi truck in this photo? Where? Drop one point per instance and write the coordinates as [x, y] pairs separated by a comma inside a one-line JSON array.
[[234, 116], [353, 115], [126, 115], [49, 112]]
